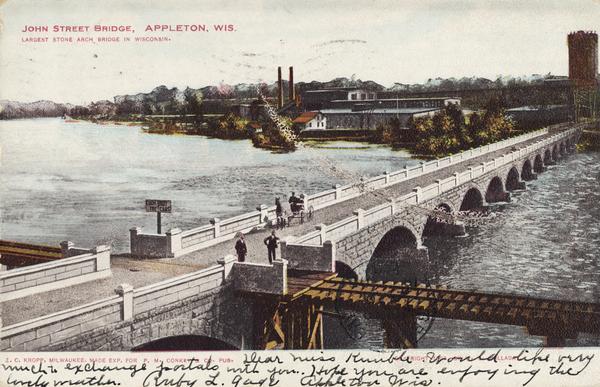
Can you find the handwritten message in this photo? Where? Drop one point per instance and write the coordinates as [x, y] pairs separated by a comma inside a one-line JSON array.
[[514, 367]]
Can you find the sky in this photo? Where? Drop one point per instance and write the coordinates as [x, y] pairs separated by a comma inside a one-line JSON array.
[[383, 41]]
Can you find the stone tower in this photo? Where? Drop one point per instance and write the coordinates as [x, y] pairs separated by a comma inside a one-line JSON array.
[[583, 73], [583, 57]]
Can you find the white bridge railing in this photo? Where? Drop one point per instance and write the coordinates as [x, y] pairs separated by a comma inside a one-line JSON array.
[[124, 306], [177, 242], [79, 266]]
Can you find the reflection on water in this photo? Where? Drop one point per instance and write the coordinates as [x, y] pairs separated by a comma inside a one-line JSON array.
[[87, 183], [545, 243]]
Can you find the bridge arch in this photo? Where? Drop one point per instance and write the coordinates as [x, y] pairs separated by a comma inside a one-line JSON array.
[[185, 343], [513, 181], [563, 148], [399, 232], [472, 200], [495, 191], [538, 164], [398, 256], [168, 333], [527, 170], [403, 235]]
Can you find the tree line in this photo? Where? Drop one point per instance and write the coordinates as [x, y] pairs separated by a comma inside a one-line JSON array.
[[450, 131]]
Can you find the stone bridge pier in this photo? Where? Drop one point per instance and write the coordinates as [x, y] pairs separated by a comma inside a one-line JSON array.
[[441, 223]]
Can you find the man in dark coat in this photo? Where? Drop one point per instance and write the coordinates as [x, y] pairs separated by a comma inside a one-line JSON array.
[[279, 213], [240, 248], [293, 200], [271, 242]]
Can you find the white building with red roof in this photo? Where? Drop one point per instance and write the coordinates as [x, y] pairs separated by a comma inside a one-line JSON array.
[[311, 120]]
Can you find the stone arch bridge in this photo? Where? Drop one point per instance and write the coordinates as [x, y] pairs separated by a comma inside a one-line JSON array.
[[206, 306], [404, 222]]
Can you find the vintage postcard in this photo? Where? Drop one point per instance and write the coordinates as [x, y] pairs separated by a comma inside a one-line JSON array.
[[315, 193]]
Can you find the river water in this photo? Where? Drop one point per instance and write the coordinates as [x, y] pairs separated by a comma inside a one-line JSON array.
[[87, 183]]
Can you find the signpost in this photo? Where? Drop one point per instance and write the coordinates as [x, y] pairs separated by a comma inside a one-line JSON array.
[[158, 206]]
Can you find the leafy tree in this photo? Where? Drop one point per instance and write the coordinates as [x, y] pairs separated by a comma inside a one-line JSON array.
[[232, 126], [388, 133], [192, 101], [475, 130], [126, 107], [449, 132], [274, 137]]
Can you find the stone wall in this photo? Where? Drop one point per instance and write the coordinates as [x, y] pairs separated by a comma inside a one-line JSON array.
[[148, 245], [309, 257], [57, 274], [137, 316], [261, 278]]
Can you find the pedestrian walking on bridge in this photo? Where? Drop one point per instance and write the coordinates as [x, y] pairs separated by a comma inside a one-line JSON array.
[[271, 243], [240, 247], [279, 213]]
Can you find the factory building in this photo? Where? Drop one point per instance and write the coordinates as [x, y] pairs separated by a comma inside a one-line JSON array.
[[356, 108]]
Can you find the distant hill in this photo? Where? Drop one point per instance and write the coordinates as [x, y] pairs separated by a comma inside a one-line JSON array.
[[12, 109], [341, 82]]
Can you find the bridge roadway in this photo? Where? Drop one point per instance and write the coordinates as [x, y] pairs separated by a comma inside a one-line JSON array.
[[144, 272]]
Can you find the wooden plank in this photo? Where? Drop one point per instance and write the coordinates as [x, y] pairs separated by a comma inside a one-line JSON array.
[[312, 342]]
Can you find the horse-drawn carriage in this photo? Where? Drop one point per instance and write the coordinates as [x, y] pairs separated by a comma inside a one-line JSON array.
[[297, 211]]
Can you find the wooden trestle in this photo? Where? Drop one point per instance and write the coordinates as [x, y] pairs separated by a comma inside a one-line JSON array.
[[295, 320], [290, 322]]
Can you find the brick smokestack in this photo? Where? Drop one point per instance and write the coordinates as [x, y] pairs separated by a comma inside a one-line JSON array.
[[292, 88], [279, 88]]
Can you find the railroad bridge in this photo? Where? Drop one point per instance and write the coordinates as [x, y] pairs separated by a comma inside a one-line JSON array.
[[197, 304]]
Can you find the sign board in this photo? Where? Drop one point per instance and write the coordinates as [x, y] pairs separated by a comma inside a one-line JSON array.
[[153, 205]]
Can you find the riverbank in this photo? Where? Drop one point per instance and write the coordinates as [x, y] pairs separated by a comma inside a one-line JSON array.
[[123, 121]]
